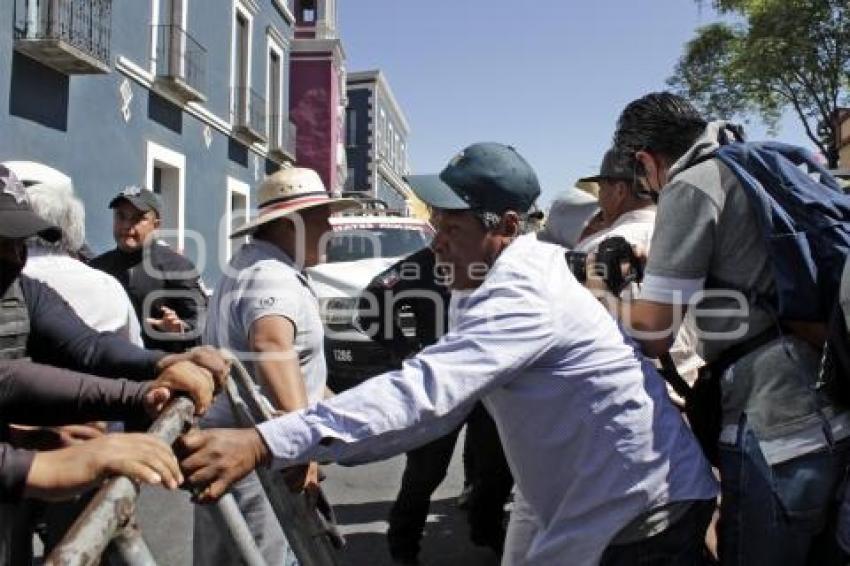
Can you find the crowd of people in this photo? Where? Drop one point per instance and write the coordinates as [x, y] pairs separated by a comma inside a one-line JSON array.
[[580, 394]]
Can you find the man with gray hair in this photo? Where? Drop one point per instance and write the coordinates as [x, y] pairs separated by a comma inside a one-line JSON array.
[[95, 296]]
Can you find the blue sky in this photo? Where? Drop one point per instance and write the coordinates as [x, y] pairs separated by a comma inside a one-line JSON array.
[[548, 77]]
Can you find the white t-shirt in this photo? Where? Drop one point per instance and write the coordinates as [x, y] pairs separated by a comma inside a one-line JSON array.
[[637, 227], [97, 297], [260, 281]]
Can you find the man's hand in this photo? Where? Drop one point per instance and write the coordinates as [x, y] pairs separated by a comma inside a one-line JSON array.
[[206, 357], [213, 460], [60, 474], [170, 322], [181, 377], [69, 435]]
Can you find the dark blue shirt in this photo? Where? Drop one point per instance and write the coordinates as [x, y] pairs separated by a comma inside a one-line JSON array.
[[58, 337]]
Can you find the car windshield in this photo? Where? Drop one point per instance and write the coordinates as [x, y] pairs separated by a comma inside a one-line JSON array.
[[355, 244]]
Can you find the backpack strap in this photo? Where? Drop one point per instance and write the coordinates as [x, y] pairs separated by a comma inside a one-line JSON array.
[[737, 351]]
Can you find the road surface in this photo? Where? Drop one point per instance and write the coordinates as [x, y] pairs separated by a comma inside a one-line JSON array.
[[362, 497]]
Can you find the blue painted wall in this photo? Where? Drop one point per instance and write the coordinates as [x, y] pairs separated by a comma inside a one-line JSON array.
[[75, 124]]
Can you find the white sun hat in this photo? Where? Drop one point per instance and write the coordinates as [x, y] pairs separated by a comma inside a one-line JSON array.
[[289, 191]]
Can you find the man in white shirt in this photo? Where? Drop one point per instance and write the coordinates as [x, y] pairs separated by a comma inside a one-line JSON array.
[[265, 312], [605, 467], [96, 297], [628, 211]]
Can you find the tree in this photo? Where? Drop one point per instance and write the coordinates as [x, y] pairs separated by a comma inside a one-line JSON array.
[[772, 55]]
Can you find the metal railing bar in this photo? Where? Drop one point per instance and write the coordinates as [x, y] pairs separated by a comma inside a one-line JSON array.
[[113, 506], [306, 533], [85, 24], [129, 548], [234, 523], [179, 55]]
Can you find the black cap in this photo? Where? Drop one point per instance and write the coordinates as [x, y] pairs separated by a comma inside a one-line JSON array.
[[140, 197], [17, 220], [485, 176], [615, 167]]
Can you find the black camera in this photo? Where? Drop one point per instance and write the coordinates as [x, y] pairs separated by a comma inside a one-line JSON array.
[[616, 263], [577, 262]]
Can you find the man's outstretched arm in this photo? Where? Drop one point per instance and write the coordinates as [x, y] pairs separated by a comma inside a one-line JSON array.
[[60, 474], [388, 414]]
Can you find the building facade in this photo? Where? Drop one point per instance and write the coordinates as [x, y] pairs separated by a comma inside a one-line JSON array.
[[188, 97], [376, 142], [317, 93]]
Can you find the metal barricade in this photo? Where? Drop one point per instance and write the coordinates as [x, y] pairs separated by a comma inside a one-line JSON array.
[[313, 539], [108, 523], [110, 516]]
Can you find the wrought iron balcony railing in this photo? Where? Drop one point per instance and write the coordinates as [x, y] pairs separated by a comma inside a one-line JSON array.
[[181, 61], [249, 114], [282, 136], [71, 36]]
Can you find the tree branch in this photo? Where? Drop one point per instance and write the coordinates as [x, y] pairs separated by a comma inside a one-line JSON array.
[[795, 102]]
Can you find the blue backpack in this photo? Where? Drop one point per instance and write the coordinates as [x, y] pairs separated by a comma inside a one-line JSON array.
[[804, 218]]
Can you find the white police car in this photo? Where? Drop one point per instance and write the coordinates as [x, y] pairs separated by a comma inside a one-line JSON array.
[[362, 245]]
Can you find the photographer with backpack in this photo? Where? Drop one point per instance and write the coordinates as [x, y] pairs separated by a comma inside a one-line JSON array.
[[751, 243]]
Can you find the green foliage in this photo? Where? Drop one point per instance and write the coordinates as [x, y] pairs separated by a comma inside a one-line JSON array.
[[784, 54]]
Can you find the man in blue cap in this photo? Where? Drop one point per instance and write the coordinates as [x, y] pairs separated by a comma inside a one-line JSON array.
[[605, 468]]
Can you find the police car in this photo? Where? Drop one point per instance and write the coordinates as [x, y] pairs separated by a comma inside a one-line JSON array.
[[362, 244]]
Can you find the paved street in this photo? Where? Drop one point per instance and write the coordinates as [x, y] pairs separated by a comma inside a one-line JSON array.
[[362, 497]]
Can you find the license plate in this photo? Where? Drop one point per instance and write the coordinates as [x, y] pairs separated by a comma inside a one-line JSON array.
[[342, 355]]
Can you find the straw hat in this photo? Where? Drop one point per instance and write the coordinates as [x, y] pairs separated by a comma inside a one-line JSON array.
[[289, 191]]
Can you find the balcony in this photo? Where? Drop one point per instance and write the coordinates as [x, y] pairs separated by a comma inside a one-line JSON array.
[[249, 115], [181, 63], [282, 135], [70, 36]]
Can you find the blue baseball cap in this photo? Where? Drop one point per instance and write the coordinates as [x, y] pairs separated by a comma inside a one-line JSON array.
[[490, 177]]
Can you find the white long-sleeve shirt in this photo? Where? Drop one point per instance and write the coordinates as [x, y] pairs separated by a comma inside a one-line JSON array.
[[590, 436]]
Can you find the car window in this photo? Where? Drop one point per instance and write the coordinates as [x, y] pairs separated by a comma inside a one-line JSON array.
[[352, 245]]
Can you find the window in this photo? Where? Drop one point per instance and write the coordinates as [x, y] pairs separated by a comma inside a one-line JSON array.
[[241, 65], [274, 94], [168, 19], [376, 241], [243, 48], [308, 11], [382, 130], [236, 214], [391, 144], [166, 176], [351, 128]]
